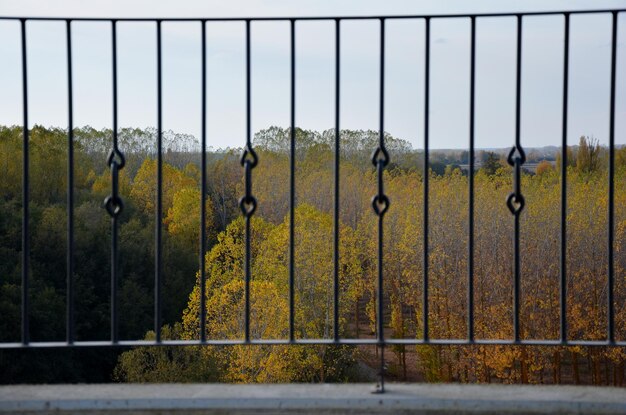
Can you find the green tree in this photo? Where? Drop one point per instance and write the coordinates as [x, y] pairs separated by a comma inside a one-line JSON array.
[[144, 187], [165, 364], [491, 163], [183, 218], [588, 156], [571, 159]]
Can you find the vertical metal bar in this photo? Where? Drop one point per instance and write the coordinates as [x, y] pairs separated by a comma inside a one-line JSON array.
[[380, 331], [70, 191], [247, 231], [203, 192], [336, 200], [159, 196], [114, 262], [611, 201], [470, 253], [516, 236], [381, 144], [292, 179], [114, 226], [516, 247], [564, 161], [426, 175], [158, 261], [25, 194]]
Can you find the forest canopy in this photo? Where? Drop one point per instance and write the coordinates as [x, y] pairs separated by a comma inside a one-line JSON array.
[[587, 256]]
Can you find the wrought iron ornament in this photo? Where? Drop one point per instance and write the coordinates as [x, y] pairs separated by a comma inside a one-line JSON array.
[[380, 160], [515, 200], [248, 161], [113, 203]]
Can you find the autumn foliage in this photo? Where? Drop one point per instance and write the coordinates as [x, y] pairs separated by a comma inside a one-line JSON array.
[[586, 265]]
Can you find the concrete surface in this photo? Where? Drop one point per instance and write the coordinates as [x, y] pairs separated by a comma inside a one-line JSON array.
[[304, 398]]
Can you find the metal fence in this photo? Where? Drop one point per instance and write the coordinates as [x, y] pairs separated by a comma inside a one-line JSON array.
[[380, 202]]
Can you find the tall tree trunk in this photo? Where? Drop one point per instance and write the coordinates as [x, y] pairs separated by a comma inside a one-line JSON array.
[[575, 367], [486, 368], [356, 318], [404, 363], [556, 376], [590, 367], [524, 366], [439, 365]]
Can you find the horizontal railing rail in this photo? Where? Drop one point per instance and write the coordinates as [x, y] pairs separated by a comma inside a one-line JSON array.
[[380, 202], [304, 18]]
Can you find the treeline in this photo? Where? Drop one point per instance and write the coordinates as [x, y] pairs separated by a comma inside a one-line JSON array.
[[587, 260]]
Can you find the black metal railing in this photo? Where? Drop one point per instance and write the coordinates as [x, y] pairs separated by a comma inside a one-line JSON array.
[[380, 201]]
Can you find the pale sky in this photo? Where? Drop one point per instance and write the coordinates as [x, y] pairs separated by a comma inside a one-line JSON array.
[[495, 77]]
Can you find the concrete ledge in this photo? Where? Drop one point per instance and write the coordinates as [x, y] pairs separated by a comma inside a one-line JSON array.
[[304, 398]]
